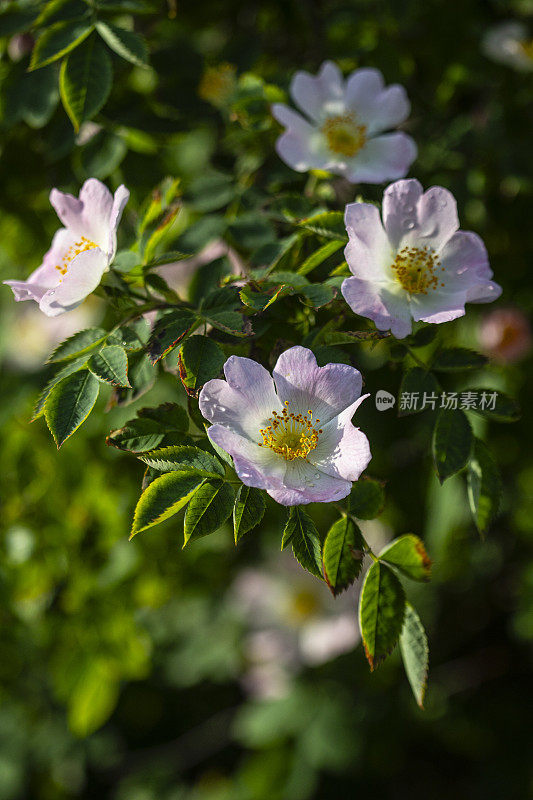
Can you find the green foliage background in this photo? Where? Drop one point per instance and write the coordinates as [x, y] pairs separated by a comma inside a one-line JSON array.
[[121, 663]]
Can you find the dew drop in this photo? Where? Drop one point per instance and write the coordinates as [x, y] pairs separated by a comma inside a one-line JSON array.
[[409, 209], [409, 224]]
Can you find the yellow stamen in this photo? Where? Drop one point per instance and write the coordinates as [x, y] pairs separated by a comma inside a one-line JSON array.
[[73, 251], [343, 135], [416, 269], [290, 435]]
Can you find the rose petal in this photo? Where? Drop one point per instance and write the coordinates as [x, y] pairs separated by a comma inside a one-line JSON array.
[[378, 108], [244, 402], [256, 466], [438, 306], [89, 215], [368, 253], [389, 310], [483, 292], [83, 276], [383, 158], [299, 146], [326, 391], [314, 94], [343, 450], [400, 201], [305, 484], [120, 199]]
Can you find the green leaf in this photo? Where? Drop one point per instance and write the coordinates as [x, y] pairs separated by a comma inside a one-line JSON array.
[[300, 531], [452, 442], [85, 81], [423, 336], [381, 612], [200, 359], [110, 365], [415, 653], [320, 255], [31, 96], [318, 294], [137, 436], [78, 344], [343, 555], [69, 403], [151, 427], [329, 224], [408, 554], [68, 369], [141, 375], [14, 21], [126, 338], [93, 697], [484, 486], [127, 44], [418, 391], [248, 510], [208, 510], [170, 416], [168, 331], [164, 497], [60, 10], [351, 337], [167, 258], [183, 457], [126, 6], [58, 40], [367, 498], [496, 405], [154, 235], [456, 359], [227, 321]]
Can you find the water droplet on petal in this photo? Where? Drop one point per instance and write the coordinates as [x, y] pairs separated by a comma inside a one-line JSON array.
[[409, 224], [409, 209]]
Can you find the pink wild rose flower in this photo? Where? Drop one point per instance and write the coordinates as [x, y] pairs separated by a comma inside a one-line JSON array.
[[81, 251], [416, 263], [289, 433], [344, 127]]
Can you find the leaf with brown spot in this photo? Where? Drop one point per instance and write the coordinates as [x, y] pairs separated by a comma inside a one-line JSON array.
[[408, 554]]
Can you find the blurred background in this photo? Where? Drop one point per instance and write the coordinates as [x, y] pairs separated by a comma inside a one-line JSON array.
[[138, 671]]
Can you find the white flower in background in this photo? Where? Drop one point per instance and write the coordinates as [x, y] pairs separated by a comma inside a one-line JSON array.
[[81, 251], [29, 337], [505, 335], [416, 263], [292, 622], [289, 433], [344, 127], [511, 44]]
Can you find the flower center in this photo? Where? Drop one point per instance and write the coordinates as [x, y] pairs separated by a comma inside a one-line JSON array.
[[416, 269], [73, 251], [290, 435], [343, 135]]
